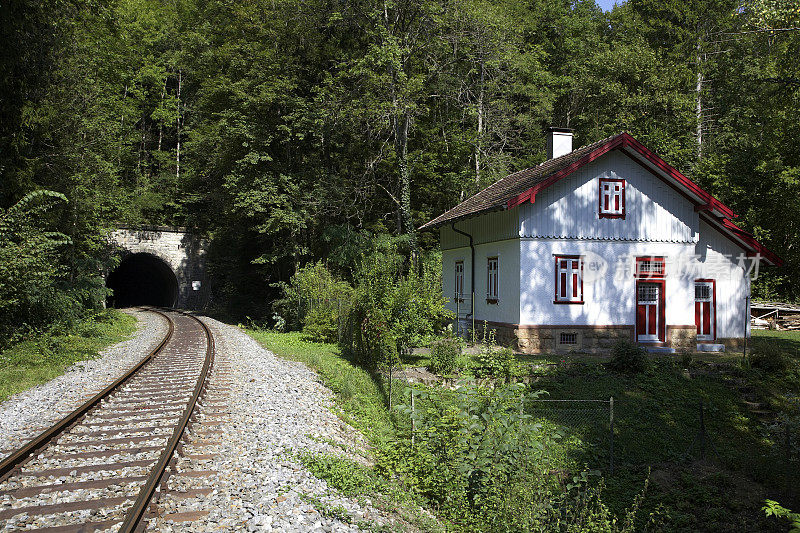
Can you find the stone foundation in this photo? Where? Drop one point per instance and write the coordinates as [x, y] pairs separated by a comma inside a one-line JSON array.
[[587, 339], [682, 338]]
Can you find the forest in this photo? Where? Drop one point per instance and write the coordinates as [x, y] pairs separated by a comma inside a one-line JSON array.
[[297, 131]]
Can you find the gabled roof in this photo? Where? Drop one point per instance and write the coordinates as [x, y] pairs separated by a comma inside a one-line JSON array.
[[522, 186]]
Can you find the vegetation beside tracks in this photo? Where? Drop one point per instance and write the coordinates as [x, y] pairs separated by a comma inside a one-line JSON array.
[[656, 425], [43, 356]]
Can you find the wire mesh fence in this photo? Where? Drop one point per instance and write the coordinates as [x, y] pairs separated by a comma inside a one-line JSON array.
[[587, 426], [615, 436]]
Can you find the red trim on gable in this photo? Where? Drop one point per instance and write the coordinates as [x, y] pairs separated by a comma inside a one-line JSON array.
[[726, 227], [673, 173], [707, 204], [625, 140], [530, 194]]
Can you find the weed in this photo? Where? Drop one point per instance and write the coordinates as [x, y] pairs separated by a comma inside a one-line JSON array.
[[628, 357]]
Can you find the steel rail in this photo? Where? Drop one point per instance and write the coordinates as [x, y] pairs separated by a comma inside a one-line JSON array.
[[22, 454], [135, 515]]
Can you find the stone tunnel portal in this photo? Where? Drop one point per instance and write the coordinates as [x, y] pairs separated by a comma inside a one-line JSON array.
[[142, 279]]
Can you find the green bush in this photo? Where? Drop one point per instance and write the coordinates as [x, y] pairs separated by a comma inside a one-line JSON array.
[[395, 305], [314, 300], [444, 354], [769, 358], [496, 362], [628, 357], [37, 289], [321, 325], [487, 465]]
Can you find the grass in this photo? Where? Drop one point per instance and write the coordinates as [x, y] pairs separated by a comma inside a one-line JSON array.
[[656, 424], [43, 357], [361, 399]]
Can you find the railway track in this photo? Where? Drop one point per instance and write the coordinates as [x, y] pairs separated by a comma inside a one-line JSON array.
[[101, 466]]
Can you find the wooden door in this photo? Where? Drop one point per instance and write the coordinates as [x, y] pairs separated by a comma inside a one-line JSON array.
[[649, 312], [704, 309]]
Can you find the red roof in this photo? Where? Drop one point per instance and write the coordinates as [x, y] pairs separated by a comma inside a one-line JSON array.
[[523, 186]]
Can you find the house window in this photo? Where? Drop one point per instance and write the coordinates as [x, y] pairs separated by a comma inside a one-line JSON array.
[[650, 267], [459, 291], [612, 198], [491, 280], [568, 338], [569, 279]]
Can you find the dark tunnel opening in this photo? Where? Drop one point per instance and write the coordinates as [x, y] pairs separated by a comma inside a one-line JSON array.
[[142, 279]]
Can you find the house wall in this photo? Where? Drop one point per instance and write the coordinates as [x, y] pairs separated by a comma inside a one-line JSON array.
[[609, 297], [507, 308], [569, 209], [490, 227], [564, 221], [718, 259]]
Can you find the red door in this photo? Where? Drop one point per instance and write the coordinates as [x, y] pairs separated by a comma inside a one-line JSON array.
[[704, 309], [649, 312]]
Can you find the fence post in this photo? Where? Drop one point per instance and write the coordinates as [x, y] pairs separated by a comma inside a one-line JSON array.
[[413, 422], [611, 433], [788, 457], [702, 432], [390, 390]]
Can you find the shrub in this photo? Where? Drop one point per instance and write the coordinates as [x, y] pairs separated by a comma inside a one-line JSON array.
[[628, 357], [489, 466], [393, 303], [497, 363], [314, 300], [769, 358], [321, 325], [37, 288], [444, 353]]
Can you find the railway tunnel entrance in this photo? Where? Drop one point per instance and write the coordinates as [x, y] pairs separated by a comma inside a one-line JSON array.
[[142, 279]]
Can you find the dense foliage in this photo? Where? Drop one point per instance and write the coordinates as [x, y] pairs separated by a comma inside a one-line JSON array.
[[395, 306], [290, 129]]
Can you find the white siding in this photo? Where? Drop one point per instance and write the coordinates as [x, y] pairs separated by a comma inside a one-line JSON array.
[[489, 227], [507, 308], [719, 258], [569, 209], [610, 299]]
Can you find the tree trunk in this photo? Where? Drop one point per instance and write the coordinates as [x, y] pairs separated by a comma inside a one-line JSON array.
[[480, 128], [699, 103], [402, 121], [178, 151]]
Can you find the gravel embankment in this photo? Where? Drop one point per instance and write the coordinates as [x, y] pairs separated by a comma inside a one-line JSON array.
[[26, 414], [276, 410]]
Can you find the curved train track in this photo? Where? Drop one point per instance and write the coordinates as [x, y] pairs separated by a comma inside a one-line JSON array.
[[100, 466]]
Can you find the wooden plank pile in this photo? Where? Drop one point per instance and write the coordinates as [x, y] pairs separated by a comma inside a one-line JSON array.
[[779, 315]]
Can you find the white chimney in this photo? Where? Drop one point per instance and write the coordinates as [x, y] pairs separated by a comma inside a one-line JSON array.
[[559, 142]]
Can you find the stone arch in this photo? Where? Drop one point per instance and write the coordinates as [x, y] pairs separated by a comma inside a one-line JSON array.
[[143, 278], [181, 250]]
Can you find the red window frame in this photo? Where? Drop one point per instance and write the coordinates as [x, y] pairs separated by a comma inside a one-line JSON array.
[[492, 285], [459, 281], [651, 274], [713, 283], [662, 309], [561, 284], [602, 210]]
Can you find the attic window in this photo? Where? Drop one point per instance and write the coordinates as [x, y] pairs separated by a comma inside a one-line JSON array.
[[612, 198]]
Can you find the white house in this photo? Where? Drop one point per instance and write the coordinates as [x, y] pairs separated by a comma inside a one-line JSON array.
[[602, 242]]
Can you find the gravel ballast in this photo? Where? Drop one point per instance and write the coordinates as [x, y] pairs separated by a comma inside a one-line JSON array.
[[276, 410], [27, 413]]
